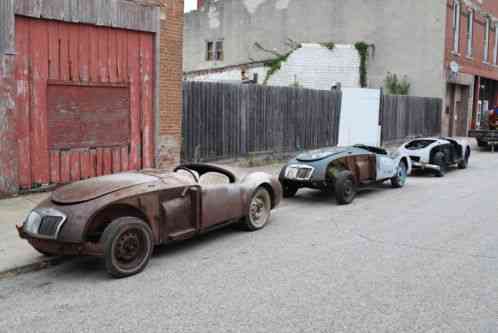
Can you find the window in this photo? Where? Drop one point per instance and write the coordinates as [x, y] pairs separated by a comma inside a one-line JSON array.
[[209, 51], [470, 33], [219, 50], [486, 40], [456, 26], [495, 53], [214, 50]]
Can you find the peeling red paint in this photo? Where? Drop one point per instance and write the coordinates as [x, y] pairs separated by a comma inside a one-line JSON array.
[[52, 53]]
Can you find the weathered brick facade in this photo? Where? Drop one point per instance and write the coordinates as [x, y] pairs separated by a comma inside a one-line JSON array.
[[468, 72], [473, 65], [170, 77]]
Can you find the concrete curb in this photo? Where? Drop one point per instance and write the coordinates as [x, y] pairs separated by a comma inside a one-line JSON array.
[[33, 267]]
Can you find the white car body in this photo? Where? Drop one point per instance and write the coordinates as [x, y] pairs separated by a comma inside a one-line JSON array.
[[421, 151]]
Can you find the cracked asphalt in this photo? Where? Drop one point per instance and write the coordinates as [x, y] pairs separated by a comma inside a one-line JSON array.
[[419, 259]]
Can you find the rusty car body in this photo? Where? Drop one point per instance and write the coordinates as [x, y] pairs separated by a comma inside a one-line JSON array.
[[122, 217], [344, 170]]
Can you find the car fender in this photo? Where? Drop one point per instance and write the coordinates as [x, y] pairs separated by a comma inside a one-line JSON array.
[[401, 156], [251, 182]]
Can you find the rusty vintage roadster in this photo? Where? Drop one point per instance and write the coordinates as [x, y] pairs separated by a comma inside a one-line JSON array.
[[121, 217]]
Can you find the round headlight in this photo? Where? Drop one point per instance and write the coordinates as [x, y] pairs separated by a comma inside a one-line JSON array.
[[32, 223]]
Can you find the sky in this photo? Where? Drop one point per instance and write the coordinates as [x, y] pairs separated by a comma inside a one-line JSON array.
[[190, 5]]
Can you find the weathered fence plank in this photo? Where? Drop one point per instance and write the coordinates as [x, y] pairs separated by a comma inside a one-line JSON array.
[[407, 116], [228, 121]]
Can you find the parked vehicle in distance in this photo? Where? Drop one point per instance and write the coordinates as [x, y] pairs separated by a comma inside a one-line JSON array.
[[437, 154], [487, 134], [344, 170], [122, 217]]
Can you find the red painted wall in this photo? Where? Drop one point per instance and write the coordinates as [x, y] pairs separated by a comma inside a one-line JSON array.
[[57, 55]]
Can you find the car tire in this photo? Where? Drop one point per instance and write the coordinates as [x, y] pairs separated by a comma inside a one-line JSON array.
[[289, 190], [344, 187], [399, 180], [463, 164], [440, 160], [128, 246], [259, 210]]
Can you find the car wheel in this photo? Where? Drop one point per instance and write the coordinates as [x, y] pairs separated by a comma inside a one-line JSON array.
[[289, 190], [128, 246], [399, 180], [463, 164], [344, 187], [440, 160], [259, 210]]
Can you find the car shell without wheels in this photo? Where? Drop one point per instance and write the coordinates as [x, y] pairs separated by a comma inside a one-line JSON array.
[[437, 154], [344, 170], [122, 217]]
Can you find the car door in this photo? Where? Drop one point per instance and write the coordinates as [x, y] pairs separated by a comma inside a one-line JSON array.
[[180, 207], [220, 203], [386, 167]]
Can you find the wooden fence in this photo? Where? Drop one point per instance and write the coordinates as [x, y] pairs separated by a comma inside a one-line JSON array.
[[223, 121], [407, 116]]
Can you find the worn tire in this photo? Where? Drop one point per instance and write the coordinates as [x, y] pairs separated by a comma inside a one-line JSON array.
[[259, 211], [465, 162], [344, 187], [128, 246], [399, 180], [289, 190], [440, 160]]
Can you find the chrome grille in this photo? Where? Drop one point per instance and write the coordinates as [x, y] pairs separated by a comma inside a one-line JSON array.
[[50, 225], [299, 172]]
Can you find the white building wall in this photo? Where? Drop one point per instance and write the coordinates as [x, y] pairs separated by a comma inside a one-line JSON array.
[[314, 66], [232, 74]]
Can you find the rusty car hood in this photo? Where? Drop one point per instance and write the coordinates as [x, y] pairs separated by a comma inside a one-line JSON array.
[[93, 188]]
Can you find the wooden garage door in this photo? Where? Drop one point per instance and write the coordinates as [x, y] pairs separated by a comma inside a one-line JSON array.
[[84, 101]]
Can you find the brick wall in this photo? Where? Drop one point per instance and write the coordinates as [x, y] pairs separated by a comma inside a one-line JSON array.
[[316, 67], [474, 65], [170, 80]]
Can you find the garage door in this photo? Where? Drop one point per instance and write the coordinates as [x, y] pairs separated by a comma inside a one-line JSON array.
[[84, 101]]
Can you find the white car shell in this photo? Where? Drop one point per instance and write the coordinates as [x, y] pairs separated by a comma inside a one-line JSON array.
[[420, 151]]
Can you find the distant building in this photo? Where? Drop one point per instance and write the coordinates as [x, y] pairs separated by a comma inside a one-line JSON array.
[[444, 48], [311, 66]]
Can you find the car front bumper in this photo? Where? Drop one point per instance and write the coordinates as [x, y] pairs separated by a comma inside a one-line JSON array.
[[56, 247], [425, 166]]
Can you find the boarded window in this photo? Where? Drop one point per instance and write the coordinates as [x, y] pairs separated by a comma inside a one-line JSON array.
[[86, 116]]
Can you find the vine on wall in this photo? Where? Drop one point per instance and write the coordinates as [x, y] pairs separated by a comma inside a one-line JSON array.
[[363, 49]]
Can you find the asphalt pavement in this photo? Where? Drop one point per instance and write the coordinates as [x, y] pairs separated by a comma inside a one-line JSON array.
[[419, 259]]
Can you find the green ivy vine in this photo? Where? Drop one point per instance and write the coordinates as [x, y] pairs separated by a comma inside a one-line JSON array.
[[362, 49], [276, 64]]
